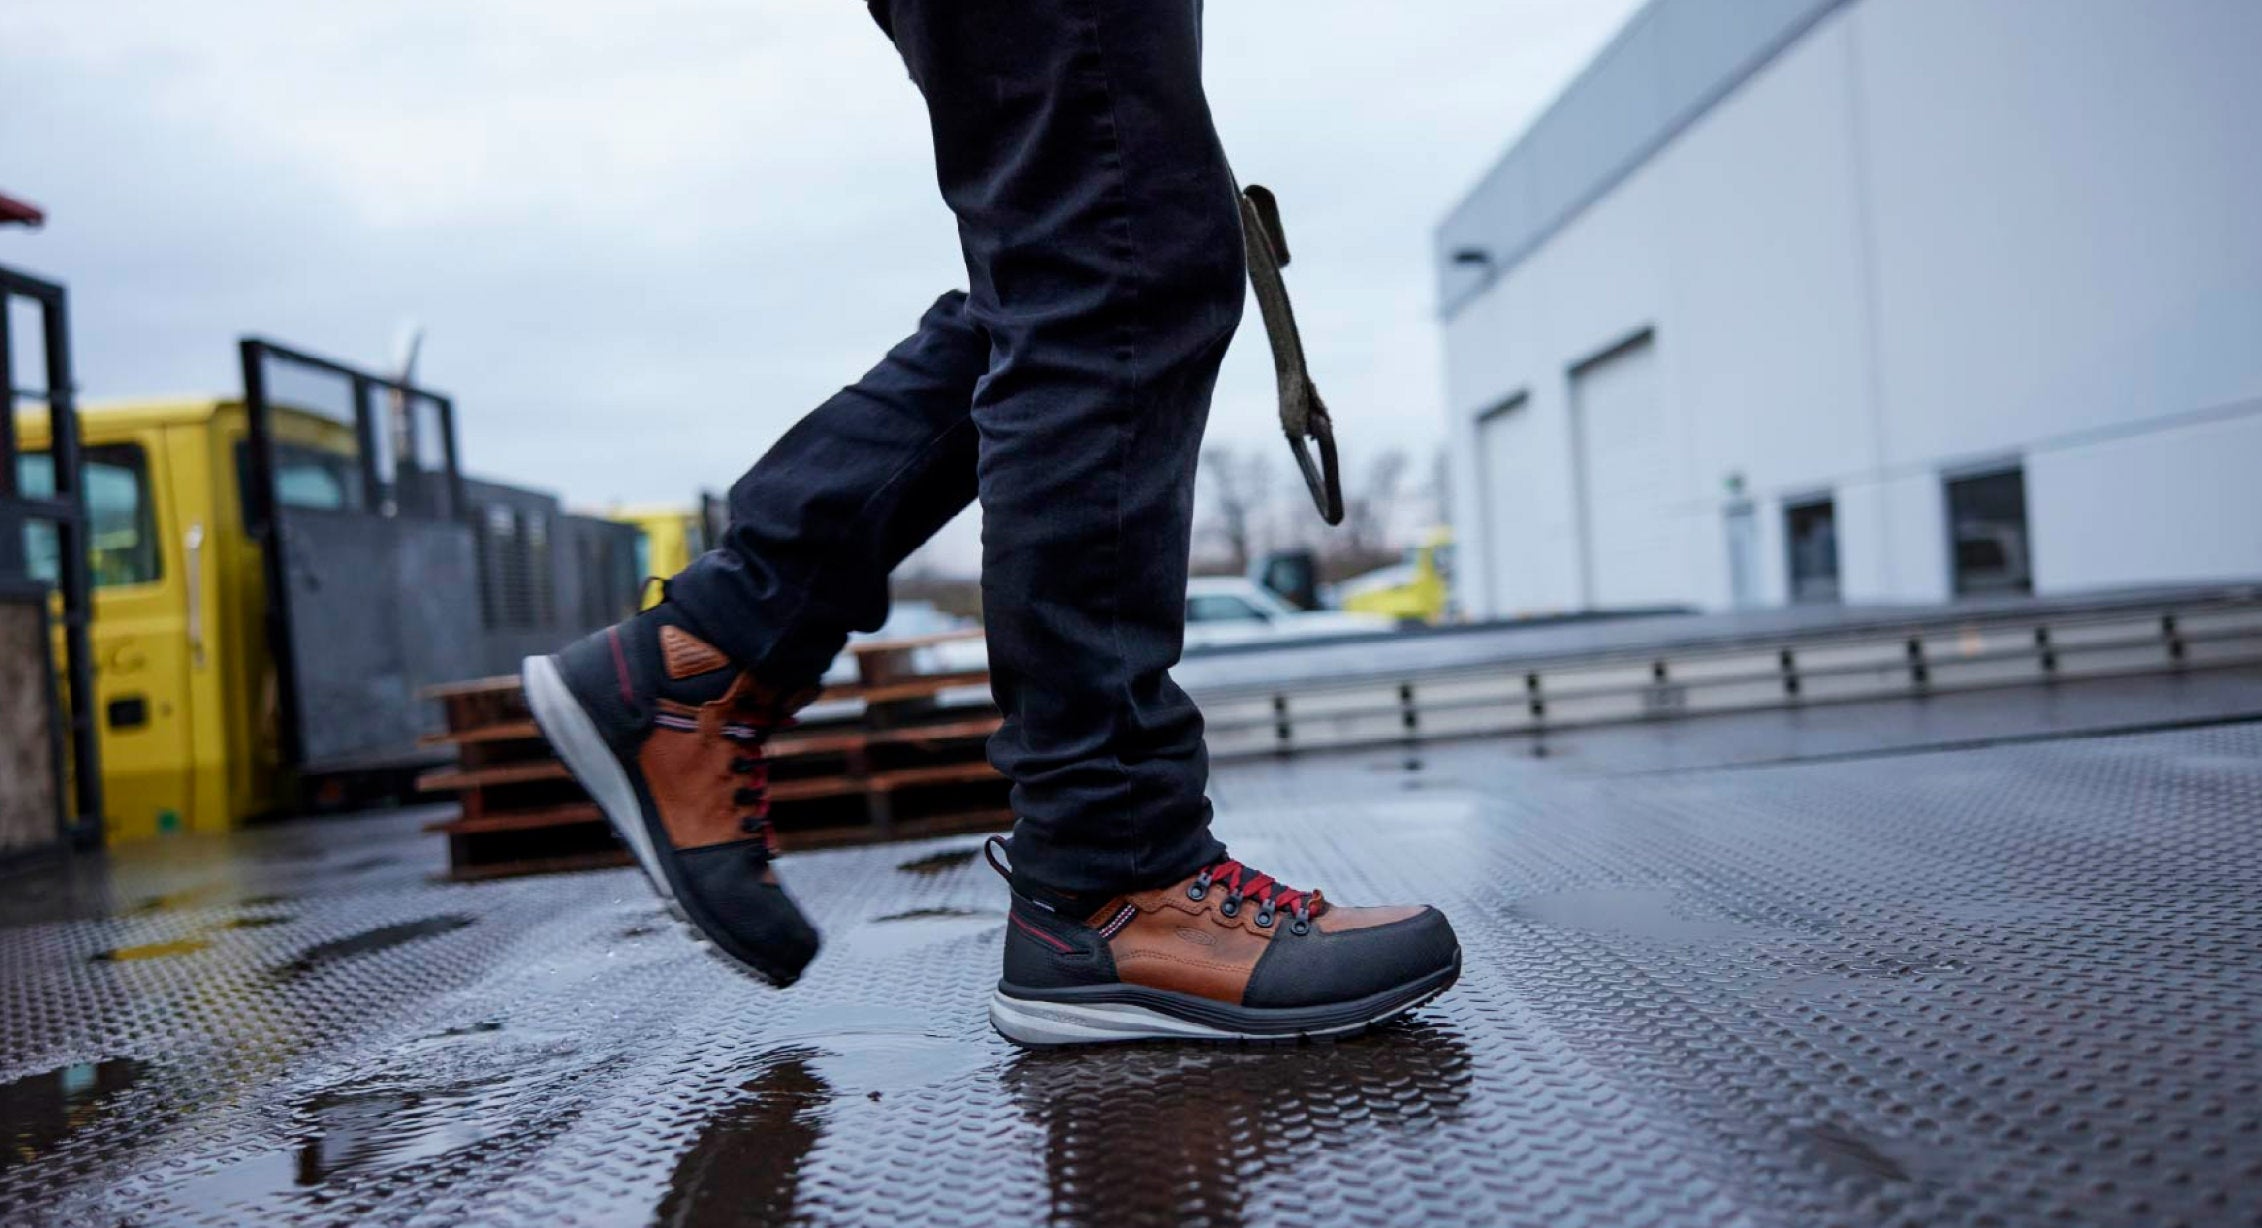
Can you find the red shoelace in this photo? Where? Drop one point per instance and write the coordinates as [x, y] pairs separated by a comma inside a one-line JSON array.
[[752, 764], [1241, 882]]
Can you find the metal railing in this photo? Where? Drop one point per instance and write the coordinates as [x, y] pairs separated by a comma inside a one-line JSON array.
[[1920, 656]]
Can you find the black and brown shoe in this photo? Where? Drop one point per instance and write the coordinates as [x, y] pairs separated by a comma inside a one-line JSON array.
[[1226, 954], [666, 733]]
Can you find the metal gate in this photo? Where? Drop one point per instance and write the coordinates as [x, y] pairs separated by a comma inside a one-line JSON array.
[[55, 518], [372, 575]]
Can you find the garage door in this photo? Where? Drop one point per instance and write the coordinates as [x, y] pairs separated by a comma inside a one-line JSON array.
[[1633, 555], [1512, 486]]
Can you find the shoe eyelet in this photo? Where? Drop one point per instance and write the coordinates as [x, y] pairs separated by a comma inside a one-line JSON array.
[[1300, 928], [1264, 919], [1231, 907], [1195, 891]]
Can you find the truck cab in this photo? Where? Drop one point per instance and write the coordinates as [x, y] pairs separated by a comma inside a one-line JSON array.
[[184, 681], [667, 539]]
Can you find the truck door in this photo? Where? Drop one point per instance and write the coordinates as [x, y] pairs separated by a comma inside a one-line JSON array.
[[140, 632], [372, 578]]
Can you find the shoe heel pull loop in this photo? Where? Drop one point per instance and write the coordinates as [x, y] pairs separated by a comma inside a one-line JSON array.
[[993, 849]]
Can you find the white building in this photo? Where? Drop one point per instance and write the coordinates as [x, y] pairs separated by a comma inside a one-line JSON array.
[[1867, 300]]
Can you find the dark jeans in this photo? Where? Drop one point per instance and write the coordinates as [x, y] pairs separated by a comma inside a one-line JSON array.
[[1067, 390]]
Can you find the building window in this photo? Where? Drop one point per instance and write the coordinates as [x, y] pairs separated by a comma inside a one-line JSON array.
[[1987, 533], [1810, 532]]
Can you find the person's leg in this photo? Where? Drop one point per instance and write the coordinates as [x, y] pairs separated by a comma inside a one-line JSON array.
[[663, 717], [1103, 243], [1102, 237], [819, 522]]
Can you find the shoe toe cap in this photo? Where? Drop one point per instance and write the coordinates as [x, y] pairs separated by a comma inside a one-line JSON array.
[[1322, 968]]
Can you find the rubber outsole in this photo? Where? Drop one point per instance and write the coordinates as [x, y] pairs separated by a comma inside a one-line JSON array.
[[585, 753], [1046, 1023]]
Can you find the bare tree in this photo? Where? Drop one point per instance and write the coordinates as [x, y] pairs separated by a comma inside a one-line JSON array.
[[1367, 515], [1239, 487]]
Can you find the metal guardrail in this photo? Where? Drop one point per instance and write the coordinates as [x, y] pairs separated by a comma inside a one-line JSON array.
[[1962, 651]]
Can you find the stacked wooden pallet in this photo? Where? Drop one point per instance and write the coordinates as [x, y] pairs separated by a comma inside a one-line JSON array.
[[893, 755]]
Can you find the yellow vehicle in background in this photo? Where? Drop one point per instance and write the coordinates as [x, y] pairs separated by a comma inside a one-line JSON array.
[[184, 681], [668, 538], [1417, 589]]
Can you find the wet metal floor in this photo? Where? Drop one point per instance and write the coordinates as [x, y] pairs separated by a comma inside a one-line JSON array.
[[2016, 984]]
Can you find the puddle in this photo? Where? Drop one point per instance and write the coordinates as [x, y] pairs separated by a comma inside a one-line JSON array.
[[323, 954], [255, 923], [939, 863], [39, 1111], [1305, 1102], [745, 1166], [1642, 912], [884, 937], [1873, 1158], [360, 866], [149, 950], [1846, 1154], [172, 900], [370, 1131], [866, 1050]]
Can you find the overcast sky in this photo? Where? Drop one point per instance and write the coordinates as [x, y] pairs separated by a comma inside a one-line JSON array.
[[644, 237]]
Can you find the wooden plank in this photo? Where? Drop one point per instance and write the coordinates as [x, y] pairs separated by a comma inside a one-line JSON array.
[[510, 731], [521, 820], [912, 686], [500, 684], [603, 860], [961, 635], [945, 774], [824, 742], [990, 819], [450, 779]]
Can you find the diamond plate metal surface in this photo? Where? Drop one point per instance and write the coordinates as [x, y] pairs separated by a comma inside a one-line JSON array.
[[2009, 985]]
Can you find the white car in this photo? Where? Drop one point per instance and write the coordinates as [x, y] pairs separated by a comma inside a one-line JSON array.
[[1233, 610]]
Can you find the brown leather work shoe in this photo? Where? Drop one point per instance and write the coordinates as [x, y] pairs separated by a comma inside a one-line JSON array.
[[666, 734], [1226, 954]]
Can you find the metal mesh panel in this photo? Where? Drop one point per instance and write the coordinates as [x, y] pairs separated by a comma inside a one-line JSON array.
[[2013, 985]]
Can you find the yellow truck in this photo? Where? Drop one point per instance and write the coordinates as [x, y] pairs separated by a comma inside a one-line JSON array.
[[668, 538], [184, 683], [1418, 589], [277, 578]]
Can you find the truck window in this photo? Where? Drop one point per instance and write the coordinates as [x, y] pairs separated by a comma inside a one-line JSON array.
[[122, 524], [304, 477]]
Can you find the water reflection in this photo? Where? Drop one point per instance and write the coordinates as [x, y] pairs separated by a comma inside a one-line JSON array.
[[150, 950], [323, 954], [378, 1129], [745, 1167], [1210, 1121], [39, 1111], [938, 863]]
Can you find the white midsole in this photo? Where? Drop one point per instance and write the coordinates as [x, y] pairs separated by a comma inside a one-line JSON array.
[[585, 753], [1029, 1022]]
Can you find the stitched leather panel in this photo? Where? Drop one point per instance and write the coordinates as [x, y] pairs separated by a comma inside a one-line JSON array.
[[1187, 946], [688, 656], [688, 772]]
